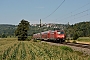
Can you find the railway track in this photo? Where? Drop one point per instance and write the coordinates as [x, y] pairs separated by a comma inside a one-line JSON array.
[[72, 44], [78, 45]]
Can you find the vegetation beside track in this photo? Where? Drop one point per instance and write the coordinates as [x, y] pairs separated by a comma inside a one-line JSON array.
[[30, 50], [84, 39]]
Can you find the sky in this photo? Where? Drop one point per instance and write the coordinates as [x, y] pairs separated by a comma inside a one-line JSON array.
[[49, 11]]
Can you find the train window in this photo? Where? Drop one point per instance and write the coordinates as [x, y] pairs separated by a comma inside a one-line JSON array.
[[60, 32]]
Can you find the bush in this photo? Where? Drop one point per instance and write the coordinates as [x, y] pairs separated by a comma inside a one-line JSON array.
[[28, 39], [74, 41], [35, 40], [75, 36], [38, 40], [66, 48]]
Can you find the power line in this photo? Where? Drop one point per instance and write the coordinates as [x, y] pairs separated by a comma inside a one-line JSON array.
[[80, 7], [74, 10], [81, 16], [55, 10], [77, 14]]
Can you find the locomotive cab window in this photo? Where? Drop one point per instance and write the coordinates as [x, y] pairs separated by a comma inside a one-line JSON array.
[[60, 32]]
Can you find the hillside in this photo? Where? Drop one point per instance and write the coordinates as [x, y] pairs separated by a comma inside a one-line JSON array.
[[7, 30], [82, 29]]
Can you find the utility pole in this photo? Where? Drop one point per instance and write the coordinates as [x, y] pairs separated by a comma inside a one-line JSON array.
[[40, 30]]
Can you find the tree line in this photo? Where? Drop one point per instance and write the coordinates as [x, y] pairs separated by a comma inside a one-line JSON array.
[[81, 29], [7, 30]]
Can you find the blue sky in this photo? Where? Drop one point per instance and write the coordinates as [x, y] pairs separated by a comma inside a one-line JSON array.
[[72, 11]]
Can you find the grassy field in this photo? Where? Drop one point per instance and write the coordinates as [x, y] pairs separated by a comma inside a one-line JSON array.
[[11, 49], [84, 39]]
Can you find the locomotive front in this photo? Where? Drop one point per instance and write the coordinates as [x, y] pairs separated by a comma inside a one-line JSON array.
[[60, 35]]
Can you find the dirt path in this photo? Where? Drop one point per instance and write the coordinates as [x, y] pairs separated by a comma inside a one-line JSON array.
[[80, 42]]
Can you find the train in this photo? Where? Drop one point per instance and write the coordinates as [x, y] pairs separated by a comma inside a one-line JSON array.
[[57, 35]]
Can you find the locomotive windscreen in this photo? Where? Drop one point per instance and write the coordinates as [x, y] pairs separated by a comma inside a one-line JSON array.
[[57, 29], [60, 32]]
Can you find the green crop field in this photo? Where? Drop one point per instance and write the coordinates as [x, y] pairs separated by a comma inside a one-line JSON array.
[[11, 49]]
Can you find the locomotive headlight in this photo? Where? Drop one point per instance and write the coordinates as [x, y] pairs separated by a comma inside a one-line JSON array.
[[62, 36]]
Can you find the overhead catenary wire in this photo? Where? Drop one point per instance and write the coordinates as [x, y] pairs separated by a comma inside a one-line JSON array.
[[81, 16], [73, 11], [87, 14], [55, 10], [76, 14]]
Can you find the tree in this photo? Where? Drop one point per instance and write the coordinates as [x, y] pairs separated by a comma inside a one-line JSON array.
[[4, 36], [22, 30], [75, 36]]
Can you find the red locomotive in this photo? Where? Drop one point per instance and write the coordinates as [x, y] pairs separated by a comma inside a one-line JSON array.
[[57, 35]]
